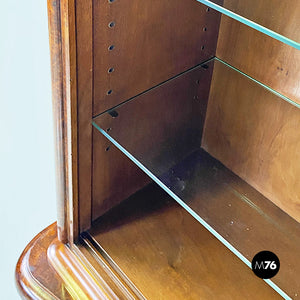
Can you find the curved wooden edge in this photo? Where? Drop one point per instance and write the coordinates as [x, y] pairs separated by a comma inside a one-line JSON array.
[[79, 279], [49, 269], [35, 278]]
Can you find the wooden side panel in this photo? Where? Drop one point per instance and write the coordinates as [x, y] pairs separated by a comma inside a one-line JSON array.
[[256, 135], [139, 44], [263, 58], [84, 27]]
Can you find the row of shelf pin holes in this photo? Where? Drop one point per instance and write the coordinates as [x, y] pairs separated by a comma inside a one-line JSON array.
[[111, 48], [110, 70], [205, 66], [196, 97]]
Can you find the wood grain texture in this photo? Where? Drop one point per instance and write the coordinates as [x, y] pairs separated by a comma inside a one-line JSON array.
[[256, 135], [244, 217], [35, 278], [167, 254], [115, 177], [153, 41], [145, 126], [267, 60], [50, 270], [84, 39], [70, 96], [62, 114], [70, 27]]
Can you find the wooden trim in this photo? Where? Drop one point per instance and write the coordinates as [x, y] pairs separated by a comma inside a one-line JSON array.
[[70, 96], [72, 59], [59, 111], [31, 281], [50, 270]]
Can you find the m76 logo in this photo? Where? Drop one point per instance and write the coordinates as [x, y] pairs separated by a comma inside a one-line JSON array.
[[264, 265]]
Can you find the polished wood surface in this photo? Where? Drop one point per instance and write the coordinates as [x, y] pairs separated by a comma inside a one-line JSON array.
[[167, 254], [71, 44], [263, 58], [79, 280], [62, 116], [71, 117], [51, 270], [145, 126], [35, 278], [256, 135], [153, 41]]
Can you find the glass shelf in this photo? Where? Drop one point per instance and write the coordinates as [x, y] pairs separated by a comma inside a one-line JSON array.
[[144, 129], [276, 18]]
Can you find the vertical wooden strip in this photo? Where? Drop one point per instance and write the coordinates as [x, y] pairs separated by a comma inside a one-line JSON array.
[[58, 111], [70, 96], [84, 33], [63, 61]]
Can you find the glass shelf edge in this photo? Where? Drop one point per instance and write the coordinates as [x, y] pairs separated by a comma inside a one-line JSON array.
[[187, 208], [251, 24]]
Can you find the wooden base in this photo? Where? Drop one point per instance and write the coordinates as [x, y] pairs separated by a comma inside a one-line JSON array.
[[49, 269]]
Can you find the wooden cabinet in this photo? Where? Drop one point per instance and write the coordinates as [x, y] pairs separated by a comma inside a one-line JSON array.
[[177, 137]]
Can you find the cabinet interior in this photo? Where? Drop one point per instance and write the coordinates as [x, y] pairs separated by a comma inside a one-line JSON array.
[[206, 108]]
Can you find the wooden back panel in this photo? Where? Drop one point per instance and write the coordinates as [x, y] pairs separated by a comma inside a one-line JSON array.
[[252, 131], [153, 42]]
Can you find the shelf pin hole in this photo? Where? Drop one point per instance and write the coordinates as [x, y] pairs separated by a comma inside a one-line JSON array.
[[113, 113]]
